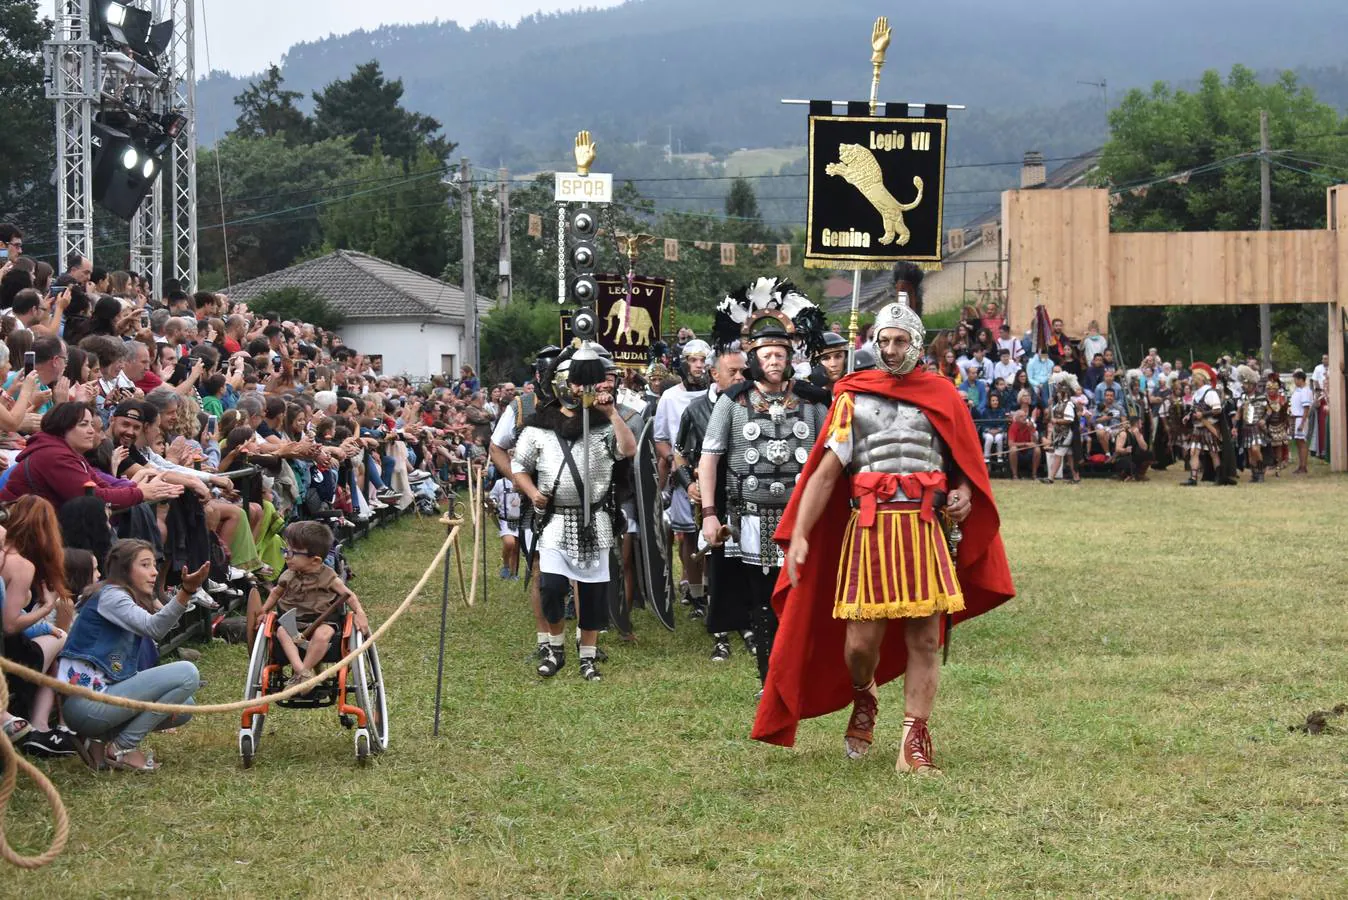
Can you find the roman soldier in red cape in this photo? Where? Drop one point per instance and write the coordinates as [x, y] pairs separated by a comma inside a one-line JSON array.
[[865, 545]]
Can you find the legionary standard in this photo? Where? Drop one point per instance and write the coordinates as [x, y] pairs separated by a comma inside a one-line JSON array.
[[875, 186]]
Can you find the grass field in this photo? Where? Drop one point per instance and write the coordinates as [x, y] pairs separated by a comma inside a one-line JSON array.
[[1119, 729]]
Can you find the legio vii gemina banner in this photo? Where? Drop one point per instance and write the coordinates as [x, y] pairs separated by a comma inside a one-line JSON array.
[[629, 325], [876, 188]]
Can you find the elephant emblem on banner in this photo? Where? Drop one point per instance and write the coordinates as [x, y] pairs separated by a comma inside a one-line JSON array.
[[639, 328]]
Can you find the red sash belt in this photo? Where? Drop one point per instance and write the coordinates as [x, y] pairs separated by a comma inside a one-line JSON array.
[[868, 489]]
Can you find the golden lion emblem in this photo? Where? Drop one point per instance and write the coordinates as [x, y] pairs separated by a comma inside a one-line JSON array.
[[860, 169]]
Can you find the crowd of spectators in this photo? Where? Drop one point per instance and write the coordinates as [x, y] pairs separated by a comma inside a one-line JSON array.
[[153, 447], [1067, 406]]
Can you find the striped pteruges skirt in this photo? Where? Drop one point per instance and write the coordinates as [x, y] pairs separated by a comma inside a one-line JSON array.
[[899, 567]]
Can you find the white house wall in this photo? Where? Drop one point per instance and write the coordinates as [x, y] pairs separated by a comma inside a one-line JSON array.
[[408, 347]]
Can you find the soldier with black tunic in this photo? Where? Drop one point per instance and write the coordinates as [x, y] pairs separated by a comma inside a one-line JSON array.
[[763, 431]]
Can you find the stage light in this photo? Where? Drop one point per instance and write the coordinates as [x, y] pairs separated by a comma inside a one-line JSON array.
[[123, 172]]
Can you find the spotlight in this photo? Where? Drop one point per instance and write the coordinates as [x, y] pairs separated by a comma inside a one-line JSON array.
[[125, 24], [123, 173]]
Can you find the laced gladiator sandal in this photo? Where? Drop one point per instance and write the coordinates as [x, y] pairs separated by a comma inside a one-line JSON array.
[[588, 670], [553, 662], [861, 727], [915, 753], [721, 652]]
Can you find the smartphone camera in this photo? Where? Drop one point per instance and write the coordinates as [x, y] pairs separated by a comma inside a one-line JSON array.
[[29, 362]]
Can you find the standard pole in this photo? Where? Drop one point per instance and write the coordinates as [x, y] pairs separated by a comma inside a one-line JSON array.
[[1265, 224], [470, 325], [503, 286], [879, 46], [444, 624]]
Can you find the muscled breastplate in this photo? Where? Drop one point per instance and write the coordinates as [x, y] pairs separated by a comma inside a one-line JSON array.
[[894, 437]]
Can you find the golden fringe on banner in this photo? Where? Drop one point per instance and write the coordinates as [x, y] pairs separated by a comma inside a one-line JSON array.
[[872, 266]]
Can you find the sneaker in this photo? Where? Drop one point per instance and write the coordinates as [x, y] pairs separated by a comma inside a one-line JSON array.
[[588, 670], [553, 662], [685, 594], [236, 574], [699, 610], [215, 587], [375, 504], [722, 651], [47, 744], [505, 573]]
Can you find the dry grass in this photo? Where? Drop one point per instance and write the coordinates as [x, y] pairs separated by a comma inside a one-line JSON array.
[[1118, 729]]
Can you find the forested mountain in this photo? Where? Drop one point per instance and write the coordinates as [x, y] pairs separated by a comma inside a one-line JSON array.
[[713, 71]]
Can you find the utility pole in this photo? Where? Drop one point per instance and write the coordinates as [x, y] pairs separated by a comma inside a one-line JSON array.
[[503, 285], [1265, 224], [470, 325]]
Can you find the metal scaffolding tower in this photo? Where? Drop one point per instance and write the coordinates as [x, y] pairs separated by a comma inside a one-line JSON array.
[[183, 171], [72, 81], [81, 78]]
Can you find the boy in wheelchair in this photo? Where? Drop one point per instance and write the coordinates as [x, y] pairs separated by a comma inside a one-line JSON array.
[[316, 594]]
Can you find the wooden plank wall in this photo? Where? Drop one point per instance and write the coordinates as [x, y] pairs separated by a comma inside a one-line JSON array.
[[1060, 237], [1221, 267]]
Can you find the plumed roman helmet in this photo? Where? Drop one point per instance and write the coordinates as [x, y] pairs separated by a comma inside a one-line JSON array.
[[901, 316]]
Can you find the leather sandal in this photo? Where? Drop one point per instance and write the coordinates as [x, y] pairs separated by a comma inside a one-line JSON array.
[[861, 726], [114, 758], [915, 749]]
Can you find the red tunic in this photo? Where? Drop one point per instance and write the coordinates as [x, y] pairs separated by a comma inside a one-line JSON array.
[[807, 676]]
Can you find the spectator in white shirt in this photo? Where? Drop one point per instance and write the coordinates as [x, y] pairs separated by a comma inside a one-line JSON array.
[[1006, 342], [1319, 373], [1301, 405], [1094, 342], [1005, 367]]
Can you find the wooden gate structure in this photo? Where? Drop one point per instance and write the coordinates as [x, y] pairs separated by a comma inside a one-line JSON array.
[[1058, 250]]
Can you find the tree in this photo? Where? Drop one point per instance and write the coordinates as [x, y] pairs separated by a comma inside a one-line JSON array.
[[298, 304], [1213, 132], [367, 108], [273, 197], [395, 212], [512, 334], [266, 109], [27, 141]]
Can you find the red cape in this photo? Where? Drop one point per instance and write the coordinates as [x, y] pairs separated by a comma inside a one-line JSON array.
[[807, 676]]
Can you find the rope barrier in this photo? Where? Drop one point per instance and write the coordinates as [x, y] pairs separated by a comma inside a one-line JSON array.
[[13, 762]]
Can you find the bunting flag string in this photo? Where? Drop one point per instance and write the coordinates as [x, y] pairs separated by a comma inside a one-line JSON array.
[[535, 225], [727, 254], [671, 250]]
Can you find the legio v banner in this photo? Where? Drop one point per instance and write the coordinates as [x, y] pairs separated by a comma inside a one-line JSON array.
[[630, 323], [876, 190]]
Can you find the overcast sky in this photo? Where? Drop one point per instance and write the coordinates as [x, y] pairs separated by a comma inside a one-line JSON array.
[[246, 35]]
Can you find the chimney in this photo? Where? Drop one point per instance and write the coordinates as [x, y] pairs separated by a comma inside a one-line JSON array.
[[1032, 170]]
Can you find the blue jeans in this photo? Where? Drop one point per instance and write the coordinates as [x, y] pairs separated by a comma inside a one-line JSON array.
[[174, 682], [372, 473]]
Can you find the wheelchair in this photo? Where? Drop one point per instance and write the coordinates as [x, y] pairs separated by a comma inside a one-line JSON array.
[[357, 691]]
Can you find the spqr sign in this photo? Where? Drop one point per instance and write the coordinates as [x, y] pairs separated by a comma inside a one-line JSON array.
[[593, 188]]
